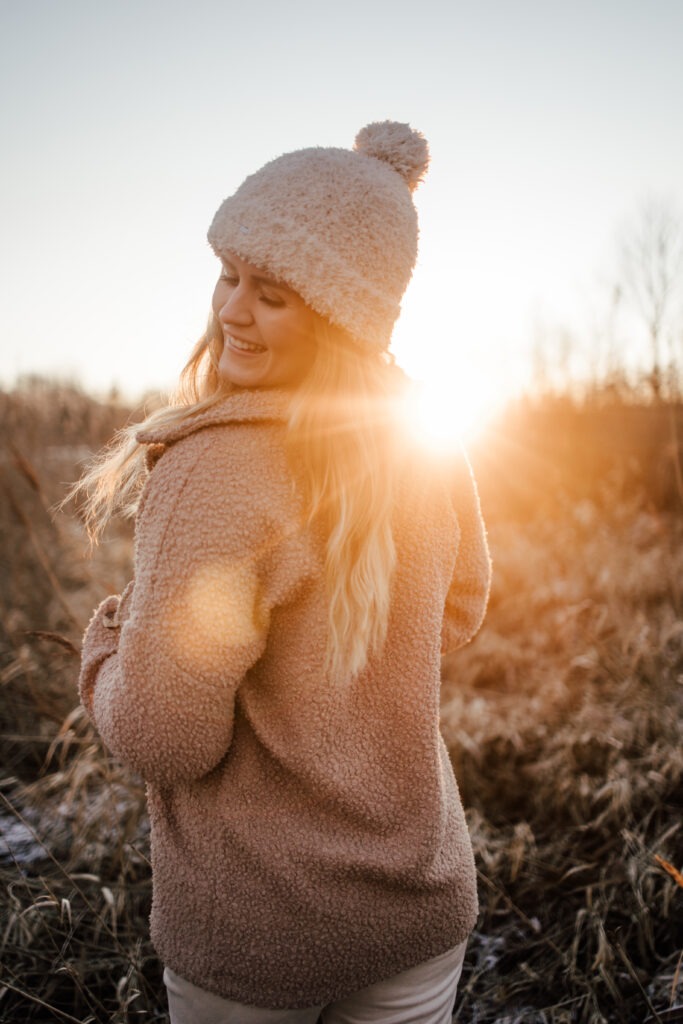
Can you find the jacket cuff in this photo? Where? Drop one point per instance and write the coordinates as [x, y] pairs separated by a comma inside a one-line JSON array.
[[100, 641]]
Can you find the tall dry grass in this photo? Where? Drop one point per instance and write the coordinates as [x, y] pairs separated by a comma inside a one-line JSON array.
[[563, 719]]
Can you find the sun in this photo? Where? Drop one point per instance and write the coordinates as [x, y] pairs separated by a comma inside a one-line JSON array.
[[463, 379], [449, 411]]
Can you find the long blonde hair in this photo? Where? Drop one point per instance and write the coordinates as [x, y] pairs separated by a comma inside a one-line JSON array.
[[342, 434], [343, 449]]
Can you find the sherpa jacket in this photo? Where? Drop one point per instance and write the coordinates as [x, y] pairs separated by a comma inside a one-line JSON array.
[[308, 839]]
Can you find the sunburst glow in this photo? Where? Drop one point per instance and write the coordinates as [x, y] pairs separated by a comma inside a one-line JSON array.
[[445, 412]]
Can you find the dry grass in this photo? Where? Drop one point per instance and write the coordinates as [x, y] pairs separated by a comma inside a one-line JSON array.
[[563, 719]]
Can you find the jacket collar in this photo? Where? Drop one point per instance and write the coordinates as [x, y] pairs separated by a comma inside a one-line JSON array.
[[243, 406]]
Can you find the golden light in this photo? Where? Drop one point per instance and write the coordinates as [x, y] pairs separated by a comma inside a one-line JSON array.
[[455, 342], [446, 412], [215, 614]]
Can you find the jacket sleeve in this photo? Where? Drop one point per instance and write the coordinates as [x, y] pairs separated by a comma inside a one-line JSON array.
[[161, 666], [469, 589]]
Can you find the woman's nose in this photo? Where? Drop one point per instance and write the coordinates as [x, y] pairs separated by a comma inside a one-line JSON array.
[[237, 308]]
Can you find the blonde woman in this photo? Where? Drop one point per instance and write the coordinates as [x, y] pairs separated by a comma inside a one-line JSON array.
[[273, 669]]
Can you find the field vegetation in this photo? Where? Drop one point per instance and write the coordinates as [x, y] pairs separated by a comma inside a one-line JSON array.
[[563, 719]]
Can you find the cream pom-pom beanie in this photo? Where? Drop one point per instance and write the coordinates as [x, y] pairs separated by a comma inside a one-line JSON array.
[[336, 225]]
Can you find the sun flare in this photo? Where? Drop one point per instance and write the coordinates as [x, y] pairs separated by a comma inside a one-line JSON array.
[[447, 412]]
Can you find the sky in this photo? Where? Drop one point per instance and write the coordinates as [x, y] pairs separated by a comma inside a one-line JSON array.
[[124, 126]]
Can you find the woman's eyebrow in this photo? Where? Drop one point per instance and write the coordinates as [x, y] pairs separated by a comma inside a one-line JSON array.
[[259, 278], [270, 282]]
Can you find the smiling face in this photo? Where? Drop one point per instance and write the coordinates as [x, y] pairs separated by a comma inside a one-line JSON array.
[[268, 330]]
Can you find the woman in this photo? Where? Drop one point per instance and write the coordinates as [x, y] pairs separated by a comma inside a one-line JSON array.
[[273, 670]]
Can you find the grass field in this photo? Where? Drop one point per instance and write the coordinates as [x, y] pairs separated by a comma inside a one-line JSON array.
[[563, 719]]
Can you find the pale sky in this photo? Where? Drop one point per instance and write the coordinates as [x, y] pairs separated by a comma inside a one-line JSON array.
[[125, 124]]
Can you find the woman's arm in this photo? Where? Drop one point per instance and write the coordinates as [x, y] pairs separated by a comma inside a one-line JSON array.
[[160, 669], [469, 589]]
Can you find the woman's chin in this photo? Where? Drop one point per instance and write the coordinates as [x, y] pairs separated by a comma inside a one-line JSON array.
[[238, 371]]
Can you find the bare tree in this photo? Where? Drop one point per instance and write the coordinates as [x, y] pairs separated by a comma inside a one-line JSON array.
[[651, 254]]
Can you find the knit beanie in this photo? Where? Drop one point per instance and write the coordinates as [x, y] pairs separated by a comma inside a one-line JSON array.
[[336, 225]]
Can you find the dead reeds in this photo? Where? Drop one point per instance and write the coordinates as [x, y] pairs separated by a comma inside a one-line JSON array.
[[564, 723]]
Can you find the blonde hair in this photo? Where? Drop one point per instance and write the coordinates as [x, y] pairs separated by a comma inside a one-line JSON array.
[[342, 447], [113, 480], [342, 434]]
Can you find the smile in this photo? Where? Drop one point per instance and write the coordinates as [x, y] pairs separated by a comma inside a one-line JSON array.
[[244, 346]]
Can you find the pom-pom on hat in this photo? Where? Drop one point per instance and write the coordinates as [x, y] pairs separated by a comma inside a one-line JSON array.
[[336, 225]]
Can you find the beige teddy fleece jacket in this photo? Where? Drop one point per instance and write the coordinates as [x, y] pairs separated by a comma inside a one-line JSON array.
[[307, 839]]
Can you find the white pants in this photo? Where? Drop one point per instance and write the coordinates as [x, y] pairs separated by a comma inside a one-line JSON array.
[[421, 995]]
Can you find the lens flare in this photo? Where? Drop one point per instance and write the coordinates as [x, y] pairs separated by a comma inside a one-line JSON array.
[[448, 412]]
